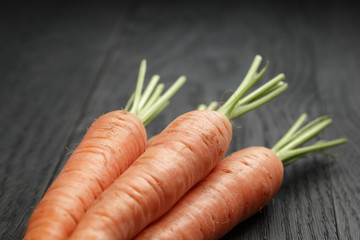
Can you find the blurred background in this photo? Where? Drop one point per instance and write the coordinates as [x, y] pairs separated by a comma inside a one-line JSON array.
[[64, 63]]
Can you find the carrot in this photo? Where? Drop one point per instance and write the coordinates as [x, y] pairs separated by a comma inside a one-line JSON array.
[[181, 155], [238, 187], [111, 144]]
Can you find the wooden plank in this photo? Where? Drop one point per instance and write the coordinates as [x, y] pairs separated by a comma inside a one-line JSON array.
[[320, 195], [50, 57], [337, 60]]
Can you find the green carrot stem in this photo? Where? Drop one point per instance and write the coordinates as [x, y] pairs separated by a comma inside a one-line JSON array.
[[286, 156], [202, 107], [155, 96], [148, 105], [250, 79], [241, 110], [139, 86], [148, 112], [306, 135], [284, 140], [311, 125], [238, 105], [156, 113], [287, 148], [150, 88], [213, 106], [261, 90], [145, 97]]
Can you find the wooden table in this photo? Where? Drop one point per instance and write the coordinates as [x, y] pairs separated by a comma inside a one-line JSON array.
[[63, 64]]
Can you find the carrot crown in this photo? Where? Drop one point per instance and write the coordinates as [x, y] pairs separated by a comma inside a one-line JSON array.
[[287, 148], [237, 104], [149, 104]]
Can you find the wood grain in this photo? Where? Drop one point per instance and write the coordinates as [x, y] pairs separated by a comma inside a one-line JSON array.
[[339, 87], [63, 65]]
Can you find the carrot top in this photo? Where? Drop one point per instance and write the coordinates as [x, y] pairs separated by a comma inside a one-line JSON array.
[[149, 104], [237, 104], [287, 148]]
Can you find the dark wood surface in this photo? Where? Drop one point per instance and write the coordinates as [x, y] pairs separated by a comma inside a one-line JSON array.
[[62, 64]]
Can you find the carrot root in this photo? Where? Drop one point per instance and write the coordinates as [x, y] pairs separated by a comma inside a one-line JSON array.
[[110, 146], [238, 187]]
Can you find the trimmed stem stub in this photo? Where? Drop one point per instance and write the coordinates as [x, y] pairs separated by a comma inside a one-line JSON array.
[[288, 147], [149, 104], [239, 103]]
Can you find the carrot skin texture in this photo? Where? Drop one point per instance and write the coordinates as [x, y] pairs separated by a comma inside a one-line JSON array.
[[111, 144], [238, 187], [181, 155]]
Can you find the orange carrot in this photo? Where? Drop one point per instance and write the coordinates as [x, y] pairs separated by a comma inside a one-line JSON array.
[[235, 189], [111, 144], [173, 162], [177, 158], [238, 187]]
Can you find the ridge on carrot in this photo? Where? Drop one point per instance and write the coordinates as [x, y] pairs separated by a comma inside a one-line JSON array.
[[173, 162], [238, 187], [111, 144]]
